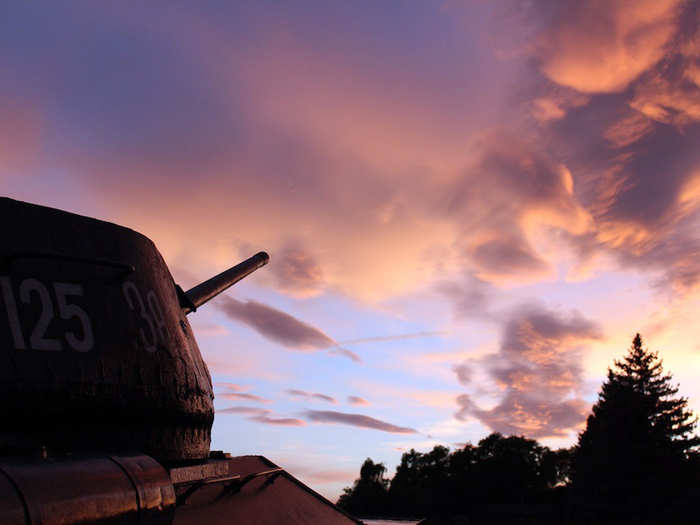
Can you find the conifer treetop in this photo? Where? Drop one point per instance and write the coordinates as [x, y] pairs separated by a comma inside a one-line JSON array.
[[640, 372]]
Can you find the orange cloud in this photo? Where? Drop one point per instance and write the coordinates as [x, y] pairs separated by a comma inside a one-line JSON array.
[[671, 102], [628, 130], [556, 103], [601, 46], [538, 368]]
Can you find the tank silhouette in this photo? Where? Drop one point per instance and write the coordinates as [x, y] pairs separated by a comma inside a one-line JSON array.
[[107, 403]]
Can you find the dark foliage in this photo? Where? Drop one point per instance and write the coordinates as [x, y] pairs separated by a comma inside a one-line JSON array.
[[368, 496], [638, 442], [499, 470]]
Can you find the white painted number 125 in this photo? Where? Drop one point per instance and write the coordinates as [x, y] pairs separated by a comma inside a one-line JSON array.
[[29, 289]]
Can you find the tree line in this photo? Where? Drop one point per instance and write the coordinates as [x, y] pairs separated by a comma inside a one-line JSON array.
[[638, 448]]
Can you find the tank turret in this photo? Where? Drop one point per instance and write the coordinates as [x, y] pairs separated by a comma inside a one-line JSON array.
[[96, 353]]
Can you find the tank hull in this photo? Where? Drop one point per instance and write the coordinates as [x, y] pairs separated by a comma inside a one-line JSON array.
[[136, 489]]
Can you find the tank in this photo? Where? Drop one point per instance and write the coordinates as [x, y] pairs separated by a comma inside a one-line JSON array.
[[92, 320], [107, 403]]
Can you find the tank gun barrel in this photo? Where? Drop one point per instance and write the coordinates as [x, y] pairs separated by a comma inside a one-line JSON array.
[[203, 292]]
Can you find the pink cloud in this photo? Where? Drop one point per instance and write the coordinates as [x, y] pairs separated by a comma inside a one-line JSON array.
[[356, 400], [282, 421], [311, 395], [230, 386], [244, 396]]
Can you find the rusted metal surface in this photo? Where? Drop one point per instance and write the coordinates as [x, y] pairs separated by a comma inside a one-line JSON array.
[[115, 490], [205, 470], [270, 496], [94, 356], [136, 489], [210, 288]]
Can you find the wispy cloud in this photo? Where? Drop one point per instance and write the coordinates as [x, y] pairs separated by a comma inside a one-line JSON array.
[[261, 415], [242, 410], [346, 353], [234, 387], [281, 327], [357, 420], [282, 421], [244, 396], [356, 400], [311, 395], [397, 337], [275, 325]]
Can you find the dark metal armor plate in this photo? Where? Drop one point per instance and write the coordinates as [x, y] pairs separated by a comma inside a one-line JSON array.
[[96, 352]]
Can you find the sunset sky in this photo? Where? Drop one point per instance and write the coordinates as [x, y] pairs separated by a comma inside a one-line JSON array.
[[470, 207]]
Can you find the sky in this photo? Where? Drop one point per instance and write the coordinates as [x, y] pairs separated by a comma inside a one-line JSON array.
[[471, 207]]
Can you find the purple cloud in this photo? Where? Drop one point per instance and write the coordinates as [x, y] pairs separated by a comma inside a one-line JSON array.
[[470, 297], [275, 325], [261, 415], [296, 271], [242, 410], [464, 373], [311, 395], [280, 327], [357, 420]]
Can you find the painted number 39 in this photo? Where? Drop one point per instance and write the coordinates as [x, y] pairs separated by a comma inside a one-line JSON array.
[[152, 329], [31, 290]]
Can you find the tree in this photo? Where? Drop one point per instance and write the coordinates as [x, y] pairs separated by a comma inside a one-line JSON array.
[[369, 494], [501, 470], [638, 442], [420, 484], [512, 469]]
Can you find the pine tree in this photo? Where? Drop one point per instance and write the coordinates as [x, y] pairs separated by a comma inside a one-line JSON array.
[[639, 440]]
